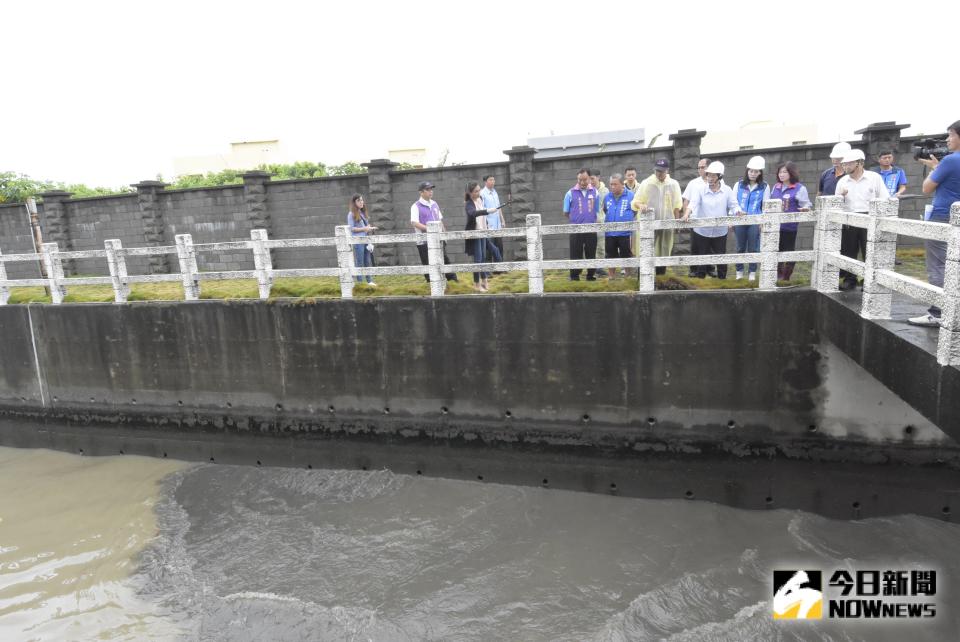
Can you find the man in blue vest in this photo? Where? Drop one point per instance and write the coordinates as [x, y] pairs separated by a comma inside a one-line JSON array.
[[893, 177], [580, 206]]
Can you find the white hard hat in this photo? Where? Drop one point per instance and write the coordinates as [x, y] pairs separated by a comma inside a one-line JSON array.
[[839, 150], [853, 155], [756, 162], [716, 167]]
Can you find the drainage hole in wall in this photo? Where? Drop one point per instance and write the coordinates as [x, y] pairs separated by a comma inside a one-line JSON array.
[[856, 505], [613, 486], [133, 401], [363, 467], [55, 400], [652, 421], [811, 428], [586, 418], [768, 499], [688, 494], [731, 424], [444, 410], [419, 472], [229, 405], [211, 460], [386, 410], [179, 402], [91, 400], [121, 451], [259, 463], [331, 409], [164, 455], [507, 414], [909, 430], [479, 477], [279, 407], [81, 451], [945, 510]]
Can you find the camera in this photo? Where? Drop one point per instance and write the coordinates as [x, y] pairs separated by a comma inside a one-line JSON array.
[[935, 146]]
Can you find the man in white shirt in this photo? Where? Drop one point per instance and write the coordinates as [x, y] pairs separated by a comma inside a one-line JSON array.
[[492, 200], [716, 200], [423, 211], [696, 185], [858, 187]]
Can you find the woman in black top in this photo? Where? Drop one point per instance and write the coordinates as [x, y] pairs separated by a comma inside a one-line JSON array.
[[477, 220]]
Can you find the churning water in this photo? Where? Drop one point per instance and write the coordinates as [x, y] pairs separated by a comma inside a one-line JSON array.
[[129, 548]]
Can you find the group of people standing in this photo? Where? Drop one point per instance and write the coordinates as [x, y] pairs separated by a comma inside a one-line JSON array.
[[706, 196]]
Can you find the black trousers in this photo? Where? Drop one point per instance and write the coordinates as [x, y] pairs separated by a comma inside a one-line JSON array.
[[853, 240], [583, 246], [708, 245], [425, 260], [788, 243], [617, 247]]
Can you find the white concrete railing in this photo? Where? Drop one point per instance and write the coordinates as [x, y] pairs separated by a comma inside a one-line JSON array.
[[880, 281]]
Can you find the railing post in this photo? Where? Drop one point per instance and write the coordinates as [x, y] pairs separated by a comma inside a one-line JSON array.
[[4, 290], [646, 251], [345, 260], [51, 258], [824, 276], [534, 254], [948, 347], [262, 262], [187, 258], [769, 245], [118, 270], [435, 258], [881, 254]]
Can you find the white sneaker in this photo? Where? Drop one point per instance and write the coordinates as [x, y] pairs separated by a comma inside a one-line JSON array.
[[927, 321], [371, 284], [739, 274], [752, 276]]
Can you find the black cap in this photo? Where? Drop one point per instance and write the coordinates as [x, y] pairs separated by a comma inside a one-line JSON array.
[[425, 185], [662, 164]]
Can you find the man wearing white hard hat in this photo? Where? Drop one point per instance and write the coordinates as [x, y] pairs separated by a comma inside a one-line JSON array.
[[716, 200], [858, 187], [751, 191], [828, 179]]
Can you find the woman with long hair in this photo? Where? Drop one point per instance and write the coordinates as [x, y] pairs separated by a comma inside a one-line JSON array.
[[751, 191], [360, 226], [792, 192], [477, 220]]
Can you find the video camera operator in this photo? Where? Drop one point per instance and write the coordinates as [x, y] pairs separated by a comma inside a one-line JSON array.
[[944, 183]]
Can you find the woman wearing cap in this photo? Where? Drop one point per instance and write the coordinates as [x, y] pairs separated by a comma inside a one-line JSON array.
[[360, 226], [477, 220], [795, 199], [751, 192]]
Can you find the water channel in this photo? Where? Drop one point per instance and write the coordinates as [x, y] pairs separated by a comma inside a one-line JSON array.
[[131, 548]]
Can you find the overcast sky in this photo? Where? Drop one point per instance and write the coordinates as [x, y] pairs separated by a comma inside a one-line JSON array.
[[108, 93]]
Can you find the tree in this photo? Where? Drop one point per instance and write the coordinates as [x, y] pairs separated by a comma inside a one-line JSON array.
[[17, 188]]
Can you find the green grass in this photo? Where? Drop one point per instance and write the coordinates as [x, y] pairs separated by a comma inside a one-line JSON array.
[[414, 285]]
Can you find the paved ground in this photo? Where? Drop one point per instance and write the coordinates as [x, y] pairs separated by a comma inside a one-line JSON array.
[[903, 308]]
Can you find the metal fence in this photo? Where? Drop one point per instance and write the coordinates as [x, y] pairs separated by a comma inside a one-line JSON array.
[[880, 280]]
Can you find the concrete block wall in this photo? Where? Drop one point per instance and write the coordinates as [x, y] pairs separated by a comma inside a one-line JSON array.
[[16, 238], [314, 207], [92, 220], [307, 209]]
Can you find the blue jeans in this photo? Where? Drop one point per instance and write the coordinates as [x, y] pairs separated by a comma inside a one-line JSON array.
[[748, 240], [362, 257], [481, 249]]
